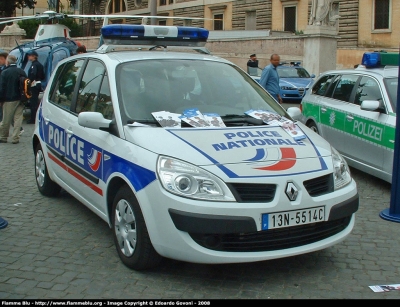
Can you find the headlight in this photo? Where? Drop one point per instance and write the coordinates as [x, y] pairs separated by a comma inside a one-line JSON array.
[[188, 180], [288, 88], [341, 171]]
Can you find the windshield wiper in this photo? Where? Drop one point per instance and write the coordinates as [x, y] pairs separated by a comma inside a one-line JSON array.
[[143, 121], [245, 119]]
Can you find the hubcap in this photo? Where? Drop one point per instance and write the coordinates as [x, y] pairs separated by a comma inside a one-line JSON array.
[[125, 228], [40, 168]]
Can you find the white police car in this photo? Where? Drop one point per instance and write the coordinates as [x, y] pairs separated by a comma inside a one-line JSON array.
[[169, 149], [355, 110]]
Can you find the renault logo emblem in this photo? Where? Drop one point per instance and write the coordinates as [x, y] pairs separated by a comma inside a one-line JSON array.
[[291, 191]]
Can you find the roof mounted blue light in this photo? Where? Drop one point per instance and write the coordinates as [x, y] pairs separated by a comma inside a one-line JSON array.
[[154, 35], [379, 59], [371, 59]]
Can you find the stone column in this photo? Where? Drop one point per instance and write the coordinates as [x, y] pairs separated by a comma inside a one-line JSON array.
[[10, 35], [320, 45]]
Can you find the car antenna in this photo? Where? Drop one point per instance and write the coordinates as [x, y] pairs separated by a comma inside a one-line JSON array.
[[19, 47]]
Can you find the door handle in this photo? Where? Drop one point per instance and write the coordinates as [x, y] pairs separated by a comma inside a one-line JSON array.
[[68, 131], [349, 118], [46, 119], [323, 110]]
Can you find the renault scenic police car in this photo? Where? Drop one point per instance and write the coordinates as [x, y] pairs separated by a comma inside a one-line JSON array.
[[185, 156], [355, 110]]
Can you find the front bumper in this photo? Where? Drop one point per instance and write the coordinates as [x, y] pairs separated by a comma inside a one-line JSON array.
[[230, 232], [239, 234]]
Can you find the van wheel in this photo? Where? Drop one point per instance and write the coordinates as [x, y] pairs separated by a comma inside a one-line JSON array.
[[44, 183], [130, 233], [313, 127]]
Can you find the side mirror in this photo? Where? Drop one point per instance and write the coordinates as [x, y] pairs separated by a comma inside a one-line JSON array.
[[94, 120], [371, 105], [294, 113], [312, 76]]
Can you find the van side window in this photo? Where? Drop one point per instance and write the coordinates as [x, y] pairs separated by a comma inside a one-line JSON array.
[[58, 55], [63, 90], [368, 89]]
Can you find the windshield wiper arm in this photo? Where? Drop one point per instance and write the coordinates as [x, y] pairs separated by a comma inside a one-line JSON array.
[[235, 118], [143, 121]]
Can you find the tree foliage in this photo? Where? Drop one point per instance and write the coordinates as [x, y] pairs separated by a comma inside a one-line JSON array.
[[95, 2], [7, 7], [31, 26]]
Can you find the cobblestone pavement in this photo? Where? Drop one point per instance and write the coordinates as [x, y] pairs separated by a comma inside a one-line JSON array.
[[57, 248]]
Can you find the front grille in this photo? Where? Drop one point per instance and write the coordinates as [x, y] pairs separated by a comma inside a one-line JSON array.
[[319, 186], [270, 240], [252, 193], [301, 91]]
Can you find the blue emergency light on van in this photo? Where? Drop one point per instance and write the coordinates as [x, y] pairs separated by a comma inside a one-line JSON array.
[[379, 59], [150, 34]]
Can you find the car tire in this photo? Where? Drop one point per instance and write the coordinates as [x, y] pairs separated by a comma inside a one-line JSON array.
[[131, 237], [44, 183], [313, 127]]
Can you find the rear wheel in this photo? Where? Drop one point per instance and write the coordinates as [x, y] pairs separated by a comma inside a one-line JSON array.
[[130, 233], [44, 183], [313, 127]]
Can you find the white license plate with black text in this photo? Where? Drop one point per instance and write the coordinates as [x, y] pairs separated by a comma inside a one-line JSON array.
[[293, 218]]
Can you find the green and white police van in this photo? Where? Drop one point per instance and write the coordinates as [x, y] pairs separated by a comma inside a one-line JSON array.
[[355, 111]]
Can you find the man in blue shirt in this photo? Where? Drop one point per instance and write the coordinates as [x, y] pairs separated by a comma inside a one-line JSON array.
[[270, 78]]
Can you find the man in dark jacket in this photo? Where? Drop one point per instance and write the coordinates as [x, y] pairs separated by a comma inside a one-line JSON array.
[[3, 57], [252, 62], [36, 75], [10, 95]]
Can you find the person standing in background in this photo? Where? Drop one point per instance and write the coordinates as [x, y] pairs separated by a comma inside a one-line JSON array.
[[36, 75], [81, 49], [10, 95], [270, 78], [252, 62], [3, 57]]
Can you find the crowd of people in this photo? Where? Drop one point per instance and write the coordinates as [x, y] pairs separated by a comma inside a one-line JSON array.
[[11, 111]]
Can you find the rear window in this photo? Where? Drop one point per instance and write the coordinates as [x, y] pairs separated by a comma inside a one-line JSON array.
[[292, 72]]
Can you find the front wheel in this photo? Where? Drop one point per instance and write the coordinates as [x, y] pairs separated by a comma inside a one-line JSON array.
[[130, 233], [44, 183], [313, 127]]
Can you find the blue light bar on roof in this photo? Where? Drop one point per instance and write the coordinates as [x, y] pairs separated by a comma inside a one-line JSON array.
[[379, 59], [371, 59], [154, 35]]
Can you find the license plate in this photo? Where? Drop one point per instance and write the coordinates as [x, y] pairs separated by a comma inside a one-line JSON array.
[[293, 218]]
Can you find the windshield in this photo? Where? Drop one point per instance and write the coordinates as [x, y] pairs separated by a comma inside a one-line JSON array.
[[177, 85], [292, 72], [391, 85]]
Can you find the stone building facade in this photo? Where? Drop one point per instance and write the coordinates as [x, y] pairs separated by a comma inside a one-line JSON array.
[[364, 25]]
